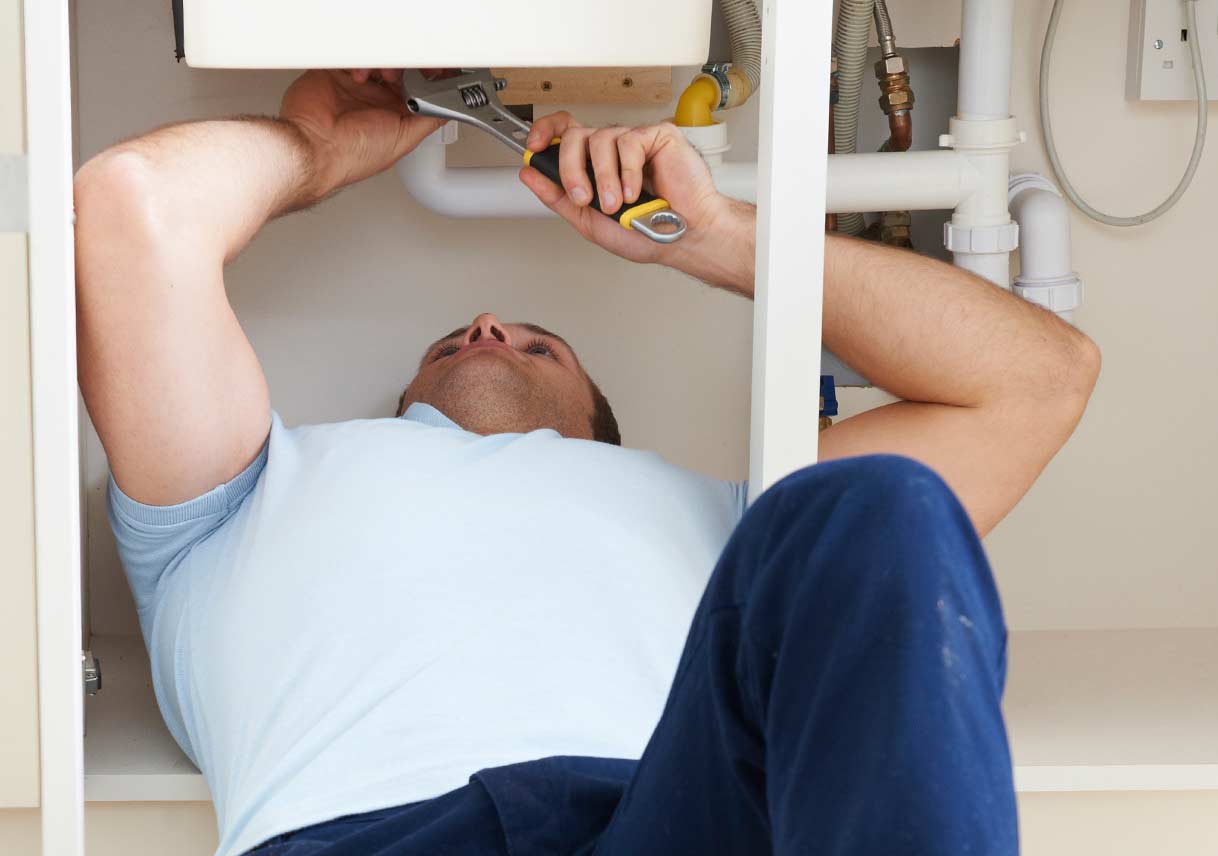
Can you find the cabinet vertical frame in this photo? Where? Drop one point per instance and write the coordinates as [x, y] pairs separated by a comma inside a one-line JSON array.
[[792, 162], [56, 428]]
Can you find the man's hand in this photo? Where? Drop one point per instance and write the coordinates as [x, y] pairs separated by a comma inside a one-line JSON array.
[[624, 159], [355, 123]]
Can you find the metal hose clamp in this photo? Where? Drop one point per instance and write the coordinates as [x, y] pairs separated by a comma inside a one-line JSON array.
[[718, 70]]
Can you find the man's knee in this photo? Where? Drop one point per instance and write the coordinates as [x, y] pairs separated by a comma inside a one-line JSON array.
[[887, 495], [891, 478], [881, 526], [876, 543]]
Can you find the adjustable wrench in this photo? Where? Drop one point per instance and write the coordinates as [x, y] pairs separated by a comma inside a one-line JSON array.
[[470, 96]]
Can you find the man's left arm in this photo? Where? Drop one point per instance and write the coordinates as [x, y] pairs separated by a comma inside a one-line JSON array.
[[991, 385]]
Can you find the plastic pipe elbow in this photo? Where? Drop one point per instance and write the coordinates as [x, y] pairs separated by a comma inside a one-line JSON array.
[[696, 104], [1045, 275]]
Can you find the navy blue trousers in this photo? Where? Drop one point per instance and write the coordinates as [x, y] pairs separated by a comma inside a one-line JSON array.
[[838, 694]]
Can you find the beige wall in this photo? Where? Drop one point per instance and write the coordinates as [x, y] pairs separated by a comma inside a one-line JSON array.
[[1117, 532], [339, 300], [18, 660]]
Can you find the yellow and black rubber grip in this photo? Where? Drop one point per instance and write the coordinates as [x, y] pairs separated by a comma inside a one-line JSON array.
[[546, 162]]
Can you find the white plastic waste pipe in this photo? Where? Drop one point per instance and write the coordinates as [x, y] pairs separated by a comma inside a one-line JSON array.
[[980, 234], [475, 191], [905, 181], [909, 181], [1045, 273], [984, 88]]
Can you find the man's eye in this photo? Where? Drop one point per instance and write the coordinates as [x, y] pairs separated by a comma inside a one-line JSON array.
[[445, 351], [541, 348]]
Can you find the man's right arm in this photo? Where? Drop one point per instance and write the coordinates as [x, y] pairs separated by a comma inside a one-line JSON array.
[[171, 383]]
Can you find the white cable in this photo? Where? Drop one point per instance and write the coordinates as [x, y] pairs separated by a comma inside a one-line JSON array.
[[1046, 55]]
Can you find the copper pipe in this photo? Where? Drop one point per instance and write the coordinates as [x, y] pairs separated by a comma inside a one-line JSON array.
[[900, 131]]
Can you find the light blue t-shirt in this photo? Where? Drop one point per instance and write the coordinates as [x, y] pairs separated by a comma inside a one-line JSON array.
[[376, 609]]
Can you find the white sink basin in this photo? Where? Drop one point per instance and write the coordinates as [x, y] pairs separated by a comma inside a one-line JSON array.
[[444, 33]]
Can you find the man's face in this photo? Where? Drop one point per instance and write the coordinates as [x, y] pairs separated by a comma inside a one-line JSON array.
[[491, 377]]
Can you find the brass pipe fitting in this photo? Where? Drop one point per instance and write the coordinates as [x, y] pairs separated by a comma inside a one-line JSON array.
[[894, 229], [896, 100]]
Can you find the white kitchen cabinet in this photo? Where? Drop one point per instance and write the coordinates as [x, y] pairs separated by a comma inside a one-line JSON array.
[[127, 755], [1096, 710], [18, 660]]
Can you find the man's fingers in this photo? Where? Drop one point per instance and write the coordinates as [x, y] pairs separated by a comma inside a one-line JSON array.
[[602, 149], [572, 165], [547, 191], [548, 128], [411, 132], [632, 155], [633, 149], [552, 196], [361, 75], [391, 75]]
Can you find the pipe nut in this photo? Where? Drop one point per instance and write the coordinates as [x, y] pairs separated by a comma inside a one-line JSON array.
[[891, 65], [892, 100]]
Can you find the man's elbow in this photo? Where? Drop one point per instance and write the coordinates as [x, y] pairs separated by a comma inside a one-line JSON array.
[[115, 191], [1067, 377], [1083, 362], [121, 216]]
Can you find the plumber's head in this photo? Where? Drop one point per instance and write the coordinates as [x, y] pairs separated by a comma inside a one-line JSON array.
[[490, 377]]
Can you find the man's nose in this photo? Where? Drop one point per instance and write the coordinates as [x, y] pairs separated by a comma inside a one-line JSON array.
[[486, 326]]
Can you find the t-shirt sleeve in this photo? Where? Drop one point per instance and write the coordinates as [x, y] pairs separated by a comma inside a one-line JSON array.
[[740, 497], [153, 539]]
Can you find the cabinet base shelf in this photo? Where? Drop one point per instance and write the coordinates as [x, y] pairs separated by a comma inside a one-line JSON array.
[[1111, 710]]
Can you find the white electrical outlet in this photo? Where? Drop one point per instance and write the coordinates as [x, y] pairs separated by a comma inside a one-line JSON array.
[[1160, 66]]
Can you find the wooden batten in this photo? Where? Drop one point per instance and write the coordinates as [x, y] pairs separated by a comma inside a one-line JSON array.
[[650, 85]]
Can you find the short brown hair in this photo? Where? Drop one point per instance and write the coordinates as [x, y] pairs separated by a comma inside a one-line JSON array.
[[604, 423]]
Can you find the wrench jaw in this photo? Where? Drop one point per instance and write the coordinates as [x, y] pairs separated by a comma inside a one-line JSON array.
[[469, 98]]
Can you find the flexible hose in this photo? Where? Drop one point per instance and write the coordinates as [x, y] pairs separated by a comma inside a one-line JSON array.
[[743, 20], [850, 47], [883, 26], [1046, 124]]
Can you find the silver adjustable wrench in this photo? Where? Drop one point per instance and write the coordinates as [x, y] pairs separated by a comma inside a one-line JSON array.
[[471, 96]]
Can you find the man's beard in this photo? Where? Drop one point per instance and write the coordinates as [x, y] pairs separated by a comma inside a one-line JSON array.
[[487, 395]]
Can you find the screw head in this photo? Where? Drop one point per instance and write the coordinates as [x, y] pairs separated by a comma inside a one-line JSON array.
[[1158, 44]]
